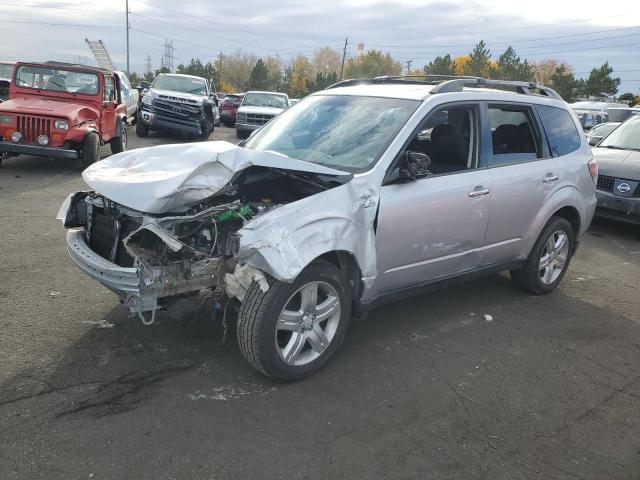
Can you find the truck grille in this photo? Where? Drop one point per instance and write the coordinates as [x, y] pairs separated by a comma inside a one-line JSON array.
[[258, 119], [32, 127], [177, 110], [605, 183]]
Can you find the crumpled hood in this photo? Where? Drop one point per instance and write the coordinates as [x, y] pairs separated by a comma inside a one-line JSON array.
[[172, 178], [171, 95], [260, 110], [618, 163]]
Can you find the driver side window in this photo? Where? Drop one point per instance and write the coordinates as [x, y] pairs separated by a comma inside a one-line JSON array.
[[449, 139]]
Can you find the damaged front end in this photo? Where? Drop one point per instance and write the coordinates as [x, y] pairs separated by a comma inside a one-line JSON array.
[[150, 260]]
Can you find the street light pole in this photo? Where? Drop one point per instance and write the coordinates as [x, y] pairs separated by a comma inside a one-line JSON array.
[[127, 18]]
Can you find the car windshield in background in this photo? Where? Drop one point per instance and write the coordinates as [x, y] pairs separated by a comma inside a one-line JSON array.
[[625, 137], [57, 80], [194, 86], [345, 132], [265, 100], [6, 71], [603, 129]]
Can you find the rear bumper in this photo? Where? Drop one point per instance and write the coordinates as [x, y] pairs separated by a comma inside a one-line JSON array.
[[37, 151], [618, 208]]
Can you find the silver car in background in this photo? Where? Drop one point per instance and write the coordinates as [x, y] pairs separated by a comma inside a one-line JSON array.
[[257, 109], [362, 193]]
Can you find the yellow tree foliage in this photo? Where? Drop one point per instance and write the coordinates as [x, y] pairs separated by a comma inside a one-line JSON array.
[[301, 76], [460, 62], [226, 87]]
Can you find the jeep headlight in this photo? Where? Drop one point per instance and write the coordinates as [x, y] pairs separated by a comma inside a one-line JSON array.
[[61, 125], [6, 119], [147, 100]]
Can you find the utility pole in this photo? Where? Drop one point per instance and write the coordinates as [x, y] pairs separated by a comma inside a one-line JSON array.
[[409, 62], [344, 54], [219, 69], [127, 18]]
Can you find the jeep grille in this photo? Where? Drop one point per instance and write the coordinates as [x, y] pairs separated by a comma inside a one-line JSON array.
[[32, 127]]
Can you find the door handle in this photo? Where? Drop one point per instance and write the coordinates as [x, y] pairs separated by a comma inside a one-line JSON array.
[[550, 178], [476, 192]]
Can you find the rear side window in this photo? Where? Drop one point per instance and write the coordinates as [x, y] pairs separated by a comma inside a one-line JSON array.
[[562, 133], [514, 136]]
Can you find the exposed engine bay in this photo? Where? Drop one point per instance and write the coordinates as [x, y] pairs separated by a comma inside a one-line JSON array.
[[186, 253]]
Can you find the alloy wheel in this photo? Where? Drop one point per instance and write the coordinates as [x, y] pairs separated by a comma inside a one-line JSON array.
[[554, 257], [308, 323]]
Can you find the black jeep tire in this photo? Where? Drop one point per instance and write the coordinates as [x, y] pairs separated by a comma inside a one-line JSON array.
[[141, 129], [260, 339], [119, 143], [228, 123], [532, 278], [90, 151]]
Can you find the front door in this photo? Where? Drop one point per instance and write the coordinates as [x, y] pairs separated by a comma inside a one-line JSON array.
[[433, 227]]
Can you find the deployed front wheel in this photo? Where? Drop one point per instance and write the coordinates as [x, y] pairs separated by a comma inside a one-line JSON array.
[[290, 331], [549, 259]]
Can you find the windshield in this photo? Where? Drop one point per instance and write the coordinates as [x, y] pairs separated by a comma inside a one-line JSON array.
[[6, 71], [602, 129], [57, 80], [626, 136], [344, 132], [196, 86], [265, 100]]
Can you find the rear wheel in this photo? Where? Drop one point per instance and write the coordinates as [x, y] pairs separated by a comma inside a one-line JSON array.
[[90, 151], [549, 259], [119, 143], [293, 329], [141, 129]]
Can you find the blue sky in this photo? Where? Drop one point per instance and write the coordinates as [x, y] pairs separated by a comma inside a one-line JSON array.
[[584, 34]]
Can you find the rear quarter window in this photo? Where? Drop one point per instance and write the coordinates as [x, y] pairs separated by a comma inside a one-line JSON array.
[[561, 131]]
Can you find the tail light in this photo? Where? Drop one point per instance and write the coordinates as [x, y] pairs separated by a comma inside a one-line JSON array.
[[593, 169]]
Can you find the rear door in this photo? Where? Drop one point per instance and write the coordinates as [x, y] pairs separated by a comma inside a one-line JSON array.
[[433, 227], [524, 174]]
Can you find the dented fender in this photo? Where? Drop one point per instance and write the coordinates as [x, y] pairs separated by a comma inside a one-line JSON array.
[[283, 242]]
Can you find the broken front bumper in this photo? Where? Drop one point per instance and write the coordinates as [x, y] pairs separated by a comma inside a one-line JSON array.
[[125, 282]]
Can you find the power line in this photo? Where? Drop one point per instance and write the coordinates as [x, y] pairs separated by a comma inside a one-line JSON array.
[[468, 45], [58, 24], [208, 21], [51, 7]]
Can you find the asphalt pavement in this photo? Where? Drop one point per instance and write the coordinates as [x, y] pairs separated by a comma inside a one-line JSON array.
[[477, 381]]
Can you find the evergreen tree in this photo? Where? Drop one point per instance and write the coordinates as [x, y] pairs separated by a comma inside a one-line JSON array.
[[600, 82], [441, 66], [479, 64], [510, 67], [259, 78], [563, 82]]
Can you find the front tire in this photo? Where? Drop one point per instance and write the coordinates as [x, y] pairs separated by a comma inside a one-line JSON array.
[[289, 332], [549, 258], [119, 143], [90, 151], [241, 134], [141, 129]]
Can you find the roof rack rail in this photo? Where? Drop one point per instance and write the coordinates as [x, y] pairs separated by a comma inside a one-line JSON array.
[[458, 84], [452, 83]]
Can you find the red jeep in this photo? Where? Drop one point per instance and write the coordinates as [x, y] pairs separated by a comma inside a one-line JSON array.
[[61, 110]]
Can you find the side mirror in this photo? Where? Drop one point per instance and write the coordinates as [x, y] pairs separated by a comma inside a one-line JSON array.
[[415, 165]]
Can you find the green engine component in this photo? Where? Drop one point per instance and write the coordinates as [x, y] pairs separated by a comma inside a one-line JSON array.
[[239, 213]]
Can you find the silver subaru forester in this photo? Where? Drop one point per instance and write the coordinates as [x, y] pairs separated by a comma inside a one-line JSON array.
[[358, 194]]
